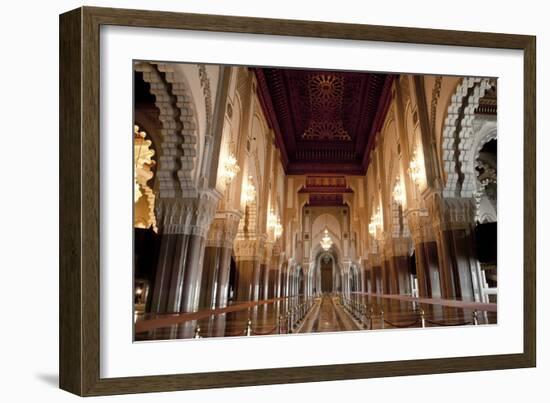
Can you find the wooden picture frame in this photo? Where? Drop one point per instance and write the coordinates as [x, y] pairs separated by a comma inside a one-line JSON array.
[[80, 184]]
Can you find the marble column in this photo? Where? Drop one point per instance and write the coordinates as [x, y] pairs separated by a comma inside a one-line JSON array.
[[401, 267], [209, 283], [193, 273], [222, 290], [426, 252], [453, 226], [397, 256], [183, 224], [217, 260], [248, 258], [263, 282], [430, 268], [245, 280], [387, 276]]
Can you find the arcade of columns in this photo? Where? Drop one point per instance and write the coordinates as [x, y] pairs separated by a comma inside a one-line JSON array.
[[211, 184]]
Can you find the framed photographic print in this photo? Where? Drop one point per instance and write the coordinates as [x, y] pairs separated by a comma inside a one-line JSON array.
[[250, 201]]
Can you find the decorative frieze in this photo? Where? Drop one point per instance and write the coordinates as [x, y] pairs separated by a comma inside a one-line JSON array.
[[436, 92], [205, 85]]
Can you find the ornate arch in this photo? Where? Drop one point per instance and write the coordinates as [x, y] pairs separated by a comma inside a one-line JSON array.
[[177, 150], [458, 135], [187, 122], [144, 197], [486, 131]]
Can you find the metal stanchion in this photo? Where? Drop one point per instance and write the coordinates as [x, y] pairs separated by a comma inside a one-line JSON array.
[[371, 312], [249, 328], [288, 322], [422, 317], [475, 319], [381, 319]]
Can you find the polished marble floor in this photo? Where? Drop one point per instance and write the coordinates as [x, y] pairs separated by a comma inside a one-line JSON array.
[[324, 313]]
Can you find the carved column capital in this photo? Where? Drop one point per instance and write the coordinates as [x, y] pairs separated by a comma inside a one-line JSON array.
[[398, 247], [224, 228], [420, 225], [248, 249], [452, 213], [191, 216], [374, 259]]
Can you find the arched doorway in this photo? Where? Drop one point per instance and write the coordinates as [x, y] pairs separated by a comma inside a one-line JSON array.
[[301, 282], [327, 273], [354, 279]]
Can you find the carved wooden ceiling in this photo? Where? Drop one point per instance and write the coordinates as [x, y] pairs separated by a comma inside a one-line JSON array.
[[325, 190], [324, 121]]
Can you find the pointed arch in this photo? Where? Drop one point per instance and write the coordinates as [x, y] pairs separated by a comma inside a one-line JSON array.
[[458, 135], [177, 149]]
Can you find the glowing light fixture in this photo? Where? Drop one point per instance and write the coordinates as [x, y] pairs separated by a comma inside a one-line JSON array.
[[326, 241], [274, 224], [249, 191], [398, 192], [415, 169], [375, 222], [144, 198], [230, 169], [271, 220], [278, 229]]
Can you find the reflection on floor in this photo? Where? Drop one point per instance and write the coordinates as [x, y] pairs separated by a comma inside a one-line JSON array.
[[325, 313], [327, 316]]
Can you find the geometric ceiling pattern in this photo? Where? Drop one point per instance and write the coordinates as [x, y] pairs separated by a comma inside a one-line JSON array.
[[324, 121], [326, 92]]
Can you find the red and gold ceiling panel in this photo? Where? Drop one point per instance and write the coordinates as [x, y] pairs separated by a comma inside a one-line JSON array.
[[325, 184], [325, 121], [326, 200]]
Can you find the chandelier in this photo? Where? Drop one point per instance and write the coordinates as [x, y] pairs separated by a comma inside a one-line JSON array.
[[230, 169], [249, 191], [415, 169], [274, 223], [398, 193], [271, 219], [326, 241], [375, 222], [278, 229]]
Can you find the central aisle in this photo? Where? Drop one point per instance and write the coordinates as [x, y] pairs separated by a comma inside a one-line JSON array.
[[328, 317]]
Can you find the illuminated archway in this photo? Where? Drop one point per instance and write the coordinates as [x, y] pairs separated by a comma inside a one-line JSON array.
[[144, 164]]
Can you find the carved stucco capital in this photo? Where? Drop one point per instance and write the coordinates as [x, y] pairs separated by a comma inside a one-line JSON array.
[[420, 225], [248, 249], [452, 213], [223, 229], [191, 216]]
